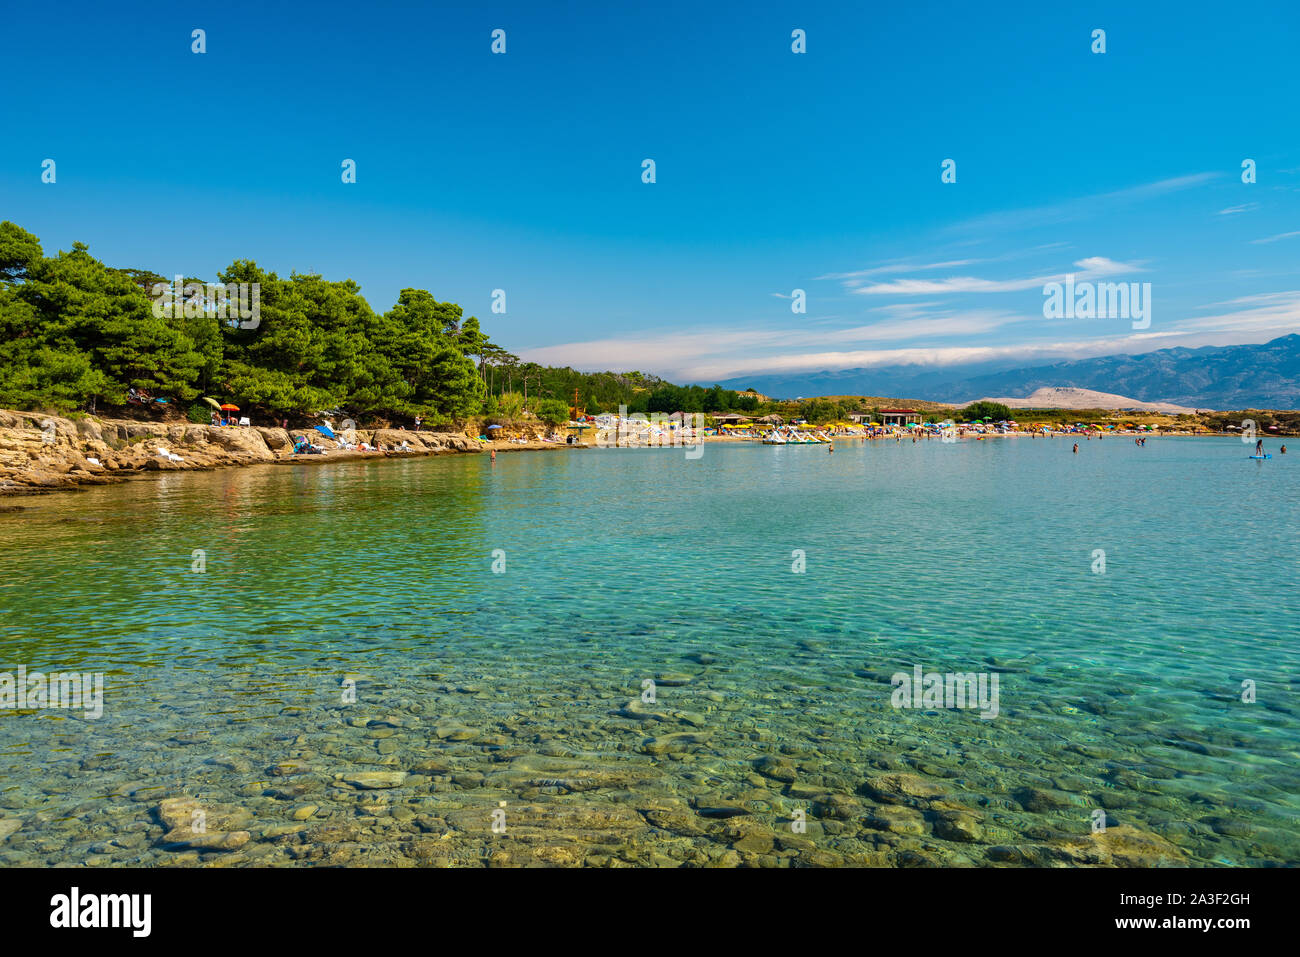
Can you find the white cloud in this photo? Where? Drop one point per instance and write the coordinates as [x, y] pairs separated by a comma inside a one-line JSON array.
[[897, 267], [1093, 267], [1081, 208], [714, 354], [645, 350], [1273, 239], [1276, 312]]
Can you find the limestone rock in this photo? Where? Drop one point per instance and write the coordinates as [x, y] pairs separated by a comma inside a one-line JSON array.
[[374, 780]]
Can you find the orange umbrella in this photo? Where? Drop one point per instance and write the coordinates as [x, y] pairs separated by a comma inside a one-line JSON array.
[[229, 408]]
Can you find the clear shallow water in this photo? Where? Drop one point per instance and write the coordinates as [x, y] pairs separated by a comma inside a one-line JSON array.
[[1119, 691]]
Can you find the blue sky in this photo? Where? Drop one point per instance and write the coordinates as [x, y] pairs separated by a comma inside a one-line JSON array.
[[775, 171]]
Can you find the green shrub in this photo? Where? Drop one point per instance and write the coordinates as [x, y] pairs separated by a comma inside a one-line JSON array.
[[552, 411]]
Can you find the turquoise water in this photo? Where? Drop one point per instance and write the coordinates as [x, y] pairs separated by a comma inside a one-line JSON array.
[[772, 739]]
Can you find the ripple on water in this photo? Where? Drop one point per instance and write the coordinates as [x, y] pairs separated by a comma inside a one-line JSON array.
[[499, 718]]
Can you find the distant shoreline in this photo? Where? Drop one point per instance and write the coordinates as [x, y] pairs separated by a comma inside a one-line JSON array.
[[41, 454]]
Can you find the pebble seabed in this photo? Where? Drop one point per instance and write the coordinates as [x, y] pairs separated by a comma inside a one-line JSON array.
[[795, 761]]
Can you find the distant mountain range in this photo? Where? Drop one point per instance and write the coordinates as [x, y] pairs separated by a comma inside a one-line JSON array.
[[1265, 376]]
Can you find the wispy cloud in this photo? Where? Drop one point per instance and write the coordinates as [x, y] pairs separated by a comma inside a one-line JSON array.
[[1277, 238], [900, 322], [1270, 312], [897, 267], [942, 356], [931, 325], [1093, 267], [1081, 208], [713, 354]]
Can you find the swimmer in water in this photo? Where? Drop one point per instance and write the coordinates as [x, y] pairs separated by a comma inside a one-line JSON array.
[[1076, 448]]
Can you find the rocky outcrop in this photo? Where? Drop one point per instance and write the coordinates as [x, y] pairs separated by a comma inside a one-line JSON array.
[[42, 453], [420, 441]]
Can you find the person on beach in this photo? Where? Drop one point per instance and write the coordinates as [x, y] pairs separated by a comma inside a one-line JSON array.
[[494, 455], [418, 420]]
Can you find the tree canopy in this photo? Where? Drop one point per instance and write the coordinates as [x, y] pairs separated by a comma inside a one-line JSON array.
[[982, 410], [77, 334], [74, 332]]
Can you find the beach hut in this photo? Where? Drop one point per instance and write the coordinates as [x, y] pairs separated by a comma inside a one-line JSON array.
[[731, 418], [899, 416]]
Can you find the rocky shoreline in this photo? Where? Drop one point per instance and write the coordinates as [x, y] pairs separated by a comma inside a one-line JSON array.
[[44, 453]]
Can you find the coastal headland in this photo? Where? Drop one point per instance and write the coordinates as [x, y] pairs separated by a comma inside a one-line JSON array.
[[44, 453]]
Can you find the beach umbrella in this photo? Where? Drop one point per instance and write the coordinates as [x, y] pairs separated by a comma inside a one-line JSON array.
[[212, 402], [326, 431], [229, 408], [494, 427], [1272, 428]]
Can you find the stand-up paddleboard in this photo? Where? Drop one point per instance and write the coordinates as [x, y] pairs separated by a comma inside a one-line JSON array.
[[1266, 456]]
